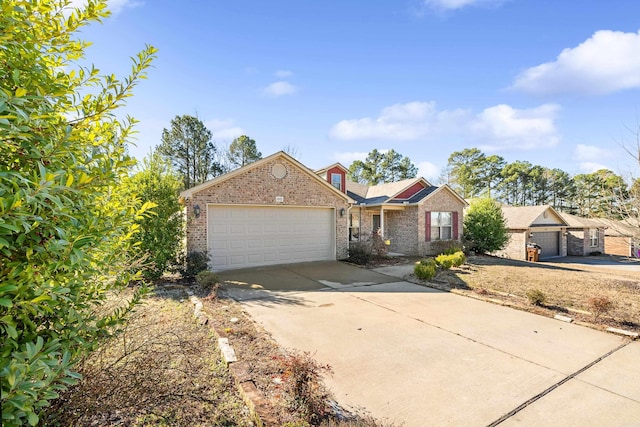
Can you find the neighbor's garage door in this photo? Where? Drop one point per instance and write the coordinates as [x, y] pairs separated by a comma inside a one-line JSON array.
[[549, 240], [241, 236]]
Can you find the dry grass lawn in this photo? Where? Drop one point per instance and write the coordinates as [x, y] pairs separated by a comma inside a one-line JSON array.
[[565, 286], [162, 370]]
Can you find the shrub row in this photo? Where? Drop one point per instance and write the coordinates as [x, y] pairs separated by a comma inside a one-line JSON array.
[[426, 269]]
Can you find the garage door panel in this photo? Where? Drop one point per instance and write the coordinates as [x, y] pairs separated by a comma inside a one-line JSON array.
[[550, 242], [254, 236]]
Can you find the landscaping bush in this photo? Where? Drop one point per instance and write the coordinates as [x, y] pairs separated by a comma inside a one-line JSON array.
[[444, 261], [485, 226], [600, 305], [454, 260], [161, 231], [189, 265], [536, 297], [426, 269], [360, 253], [208, 281]]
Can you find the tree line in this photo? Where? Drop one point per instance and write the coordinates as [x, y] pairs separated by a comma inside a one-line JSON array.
[[603, 193]]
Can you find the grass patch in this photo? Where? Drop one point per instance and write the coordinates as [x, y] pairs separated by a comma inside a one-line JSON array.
[[563, 285]]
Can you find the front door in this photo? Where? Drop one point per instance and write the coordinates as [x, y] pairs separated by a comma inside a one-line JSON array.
[[376, 223]]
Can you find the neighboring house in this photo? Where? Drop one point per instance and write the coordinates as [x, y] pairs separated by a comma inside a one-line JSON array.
[[584, 236], [412, 214], [534, 224], [277, 211], [621, 237]]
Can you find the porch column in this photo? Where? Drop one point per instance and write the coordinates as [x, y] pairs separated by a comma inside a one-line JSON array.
[[382, 222]]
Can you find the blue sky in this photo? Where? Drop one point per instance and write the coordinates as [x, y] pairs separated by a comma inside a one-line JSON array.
[[555, 83]]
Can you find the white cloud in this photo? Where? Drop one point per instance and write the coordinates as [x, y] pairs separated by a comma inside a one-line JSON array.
[[589, 153], [497, 127], [459, 4], [347, 158], [590, 167], [428, 170], [224, 129], [399, 122], [280, 88], [504, 127], [607, 62], [283, 74]]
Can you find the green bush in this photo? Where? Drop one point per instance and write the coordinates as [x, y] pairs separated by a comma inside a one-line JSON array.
[[444, 261], [454, 260], [360, 253], [426, 269], [208, 281], [67, 217], [485, 226], [189, 265], [162, 230], [536, 297]]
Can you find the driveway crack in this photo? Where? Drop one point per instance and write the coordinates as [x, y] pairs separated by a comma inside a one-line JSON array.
[[555, 386]]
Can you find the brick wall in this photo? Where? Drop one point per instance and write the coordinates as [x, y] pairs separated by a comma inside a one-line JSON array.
[[402, 230], [257, 186], [516, 247], [577, 242], [443, 201]]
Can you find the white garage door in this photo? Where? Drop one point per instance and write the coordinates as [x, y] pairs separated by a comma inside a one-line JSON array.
[[550, 242], [242, 236]]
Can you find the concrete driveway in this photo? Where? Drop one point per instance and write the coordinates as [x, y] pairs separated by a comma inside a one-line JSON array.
[[409, 354]]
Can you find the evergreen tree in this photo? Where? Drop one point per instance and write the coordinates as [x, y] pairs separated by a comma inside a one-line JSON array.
[[243, 151], [485, 226], [381, 167], [187, 144]]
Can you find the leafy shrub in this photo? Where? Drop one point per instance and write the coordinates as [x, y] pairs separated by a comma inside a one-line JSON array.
[[536, 297], [208, 281], [189, 265], [444, 261], [302, 379], [162, 230], [426, 269], [485, 226], [360, 253], [600, 305], [459, 258], [67, 217], [454, 260]]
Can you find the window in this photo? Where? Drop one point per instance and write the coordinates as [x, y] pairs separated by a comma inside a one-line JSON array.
[[593, 237], [441, 226], [336, 180], [354, 227]]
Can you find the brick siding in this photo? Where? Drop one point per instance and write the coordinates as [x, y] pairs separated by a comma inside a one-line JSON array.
[[257, 186]]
